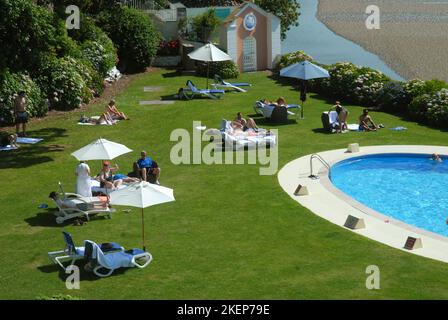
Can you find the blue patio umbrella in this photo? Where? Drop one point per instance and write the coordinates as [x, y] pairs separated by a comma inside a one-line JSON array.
[[304, 71]]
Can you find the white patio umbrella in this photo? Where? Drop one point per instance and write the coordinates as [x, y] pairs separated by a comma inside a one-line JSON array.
[[101, 149], [209, 53], [142, 195]]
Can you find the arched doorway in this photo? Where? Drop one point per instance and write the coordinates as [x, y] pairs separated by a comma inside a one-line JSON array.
[[249, 54]]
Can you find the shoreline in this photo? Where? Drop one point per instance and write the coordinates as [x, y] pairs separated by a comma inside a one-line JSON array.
[[410, 42]]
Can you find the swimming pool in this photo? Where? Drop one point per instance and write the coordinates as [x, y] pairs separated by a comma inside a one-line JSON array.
[[407, 187]]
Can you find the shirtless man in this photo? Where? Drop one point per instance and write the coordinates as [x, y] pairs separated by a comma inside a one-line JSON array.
[[366, 123], [20, 112]]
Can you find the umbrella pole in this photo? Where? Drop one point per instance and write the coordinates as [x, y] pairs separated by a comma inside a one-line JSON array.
[[143, 232], [208, 73]]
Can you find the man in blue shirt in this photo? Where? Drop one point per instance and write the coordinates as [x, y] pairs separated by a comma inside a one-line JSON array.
[[145, 168]]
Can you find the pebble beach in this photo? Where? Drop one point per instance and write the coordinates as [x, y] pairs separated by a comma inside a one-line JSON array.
[[413, 35]]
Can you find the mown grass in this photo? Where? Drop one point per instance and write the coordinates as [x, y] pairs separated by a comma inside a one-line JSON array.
[[230, 234]]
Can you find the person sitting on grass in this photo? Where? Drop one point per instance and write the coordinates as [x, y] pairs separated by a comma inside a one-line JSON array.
[[7, 138], [366, 123], [145, 168], [113, 111]]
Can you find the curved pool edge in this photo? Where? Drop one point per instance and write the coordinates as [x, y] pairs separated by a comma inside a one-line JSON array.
[[330, 203]]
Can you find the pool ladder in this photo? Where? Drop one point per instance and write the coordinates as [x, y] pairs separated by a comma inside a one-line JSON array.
[[318, 157]]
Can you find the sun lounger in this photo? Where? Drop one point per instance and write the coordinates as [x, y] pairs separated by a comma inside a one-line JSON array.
[[266, 110], [236, 140], [104, 264], [192, 91], [220, 83], [74, 253], [72, 206]]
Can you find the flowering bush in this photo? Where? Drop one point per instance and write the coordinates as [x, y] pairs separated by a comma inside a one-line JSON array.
[[102, 56], [393, 97], [357, 84], [10, 85], [437, 112], [65, 82], [169, 48], [291, 58]]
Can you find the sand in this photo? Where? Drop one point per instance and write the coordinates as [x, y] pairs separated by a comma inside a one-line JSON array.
[[412, 39]]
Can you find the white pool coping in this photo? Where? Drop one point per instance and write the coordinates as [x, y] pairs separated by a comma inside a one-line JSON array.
[[328, 202]]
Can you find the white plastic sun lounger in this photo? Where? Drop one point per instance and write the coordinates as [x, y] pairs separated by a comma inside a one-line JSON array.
[[220, 83], [73, 253], [106, 263]]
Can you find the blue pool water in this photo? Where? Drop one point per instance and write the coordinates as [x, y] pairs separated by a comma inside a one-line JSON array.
[[407, 187]]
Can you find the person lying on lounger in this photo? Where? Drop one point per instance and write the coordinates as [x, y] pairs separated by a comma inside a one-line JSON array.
[[366, 123], [281, 102], [242, 124], [77, 204]]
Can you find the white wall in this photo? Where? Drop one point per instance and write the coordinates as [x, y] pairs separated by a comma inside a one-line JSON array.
[[232, 42], [275, 42]]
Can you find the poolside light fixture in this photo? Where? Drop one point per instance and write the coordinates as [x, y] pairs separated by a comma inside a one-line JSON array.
[[413, 243], [301, 191], [353, 147], [354, 223]]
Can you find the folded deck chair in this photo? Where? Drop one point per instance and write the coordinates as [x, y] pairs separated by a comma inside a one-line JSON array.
[[330, 120], [220, 83], [73, 253], [105, 263], [210, 93]]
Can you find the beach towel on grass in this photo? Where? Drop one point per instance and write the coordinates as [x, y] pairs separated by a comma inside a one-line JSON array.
[[7, 148], [26, 140]]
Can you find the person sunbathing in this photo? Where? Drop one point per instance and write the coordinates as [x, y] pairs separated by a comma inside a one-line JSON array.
[[7, 138], [242, 124], [113, 111], [366, 123], [281, 102], [79, 204], [106, 176]]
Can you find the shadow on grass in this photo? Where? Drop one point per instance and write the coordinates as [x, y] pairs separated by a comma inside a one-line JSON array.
[[170, 97], [44, 219], [84, 275], [33, 154]]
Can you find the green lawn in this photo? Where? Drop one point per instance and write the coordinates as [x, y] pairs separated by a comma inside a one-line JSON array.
[[231, 234]]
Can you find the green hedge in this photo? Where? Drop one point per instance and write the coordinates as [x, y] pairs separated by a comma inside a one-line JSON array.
[[10, 85]]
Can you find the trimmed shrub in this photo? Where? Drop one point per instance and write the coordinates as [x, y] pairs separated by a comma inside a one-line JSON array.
[[224, 69], [65, 82], [133, 34], [291, 58], [10, 85]]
